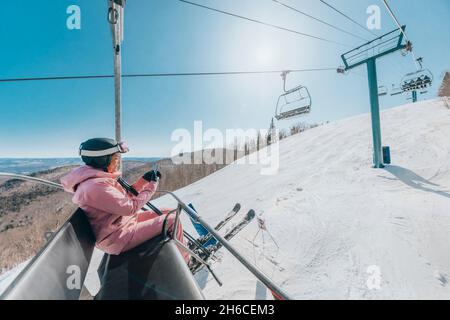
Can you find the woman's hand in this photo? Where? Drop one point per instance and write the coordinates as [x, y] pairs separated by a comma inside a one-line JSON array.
[[152, 175]]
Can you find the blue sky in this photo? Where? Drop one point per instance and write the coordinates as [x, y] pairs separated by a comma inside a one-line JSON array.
[[46, 119]]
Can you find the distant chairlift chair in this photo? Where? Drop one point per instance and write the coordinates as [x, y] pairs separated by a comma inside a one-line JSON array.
[[396, 90], [292, 103], [382, 91], [417, 80]]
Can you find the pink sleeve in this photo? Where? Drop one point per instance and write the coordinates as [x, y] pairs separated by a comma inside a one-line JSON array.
[[109, 199], [141, 184]]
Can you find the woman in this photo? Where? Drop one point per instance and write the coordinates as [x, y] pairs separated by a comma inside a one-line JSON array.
[[115, 215]]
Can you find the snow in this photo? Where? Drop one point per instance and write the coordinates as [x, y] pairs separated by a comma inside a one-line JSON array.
[[7, 277], [345, 230]]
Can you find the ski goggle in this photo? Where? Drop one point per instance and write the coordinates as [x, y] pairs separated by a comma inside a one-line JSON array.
[[121, 147]]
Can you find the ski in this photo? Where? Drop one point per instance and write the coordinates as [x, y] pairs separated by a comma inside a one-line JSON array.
[[212, 249], [206, 239], [245, 221], [228, 217]]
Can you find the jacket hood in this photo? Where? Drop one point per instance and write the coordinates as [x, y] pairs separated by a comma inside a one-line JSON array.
[[83, 173]]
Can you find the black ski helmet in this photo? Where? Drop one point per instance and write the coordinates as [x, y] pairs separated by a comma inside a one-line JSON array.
[[97, 152]]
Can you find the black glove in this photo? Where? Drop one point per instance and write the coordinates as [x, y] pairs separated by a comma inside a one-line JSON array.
[[152, 175]]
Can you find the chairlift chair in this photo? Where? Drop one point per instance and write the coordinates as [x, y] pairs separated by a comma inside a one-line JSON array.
[[294, 102], [396, 90], [382, 91], [420, 79]]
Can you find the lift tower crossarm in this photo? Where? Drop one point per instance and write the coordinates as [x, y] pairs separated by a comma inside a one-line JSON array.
[[364, 50]]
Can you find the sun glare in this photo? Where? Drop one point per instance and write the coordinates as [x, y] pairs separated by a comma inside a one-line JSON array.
[[264, 55]]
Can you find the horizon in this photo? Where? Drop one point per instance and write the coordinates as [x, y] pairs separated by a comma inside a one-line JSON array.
[[14, 158]]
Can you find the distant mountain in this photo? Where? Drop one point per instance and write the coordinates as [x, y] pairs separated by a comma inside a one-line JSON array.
[[30, 165]]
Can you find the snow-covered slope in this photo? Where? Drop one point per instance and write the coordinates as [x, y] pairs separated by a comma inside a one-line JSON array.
[[7, 277], [341, 226]]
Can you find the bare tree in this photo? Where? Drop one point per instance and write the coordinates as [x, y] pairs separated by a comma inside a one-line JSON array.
[[444, 90], [282, 134]]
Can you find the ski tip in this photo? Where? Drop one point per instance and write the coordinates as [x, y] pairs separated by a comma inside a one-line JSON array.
[[251, 214], [237, 207]]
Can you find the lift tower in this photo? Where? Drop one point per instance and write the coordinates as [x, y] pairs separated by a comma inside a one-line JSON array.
[[367, 54]]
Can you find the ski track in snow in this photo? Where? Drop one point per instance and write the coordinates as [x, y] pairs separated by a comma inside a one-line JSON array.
[[334, 217]]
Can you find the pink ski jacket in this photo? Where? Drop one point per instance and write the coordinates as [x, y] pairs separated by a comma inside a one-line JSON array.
[[112, 212]]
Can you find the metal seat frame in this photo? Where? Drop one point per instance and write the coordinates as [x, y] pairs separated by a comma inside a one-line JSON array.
[[283, 101]]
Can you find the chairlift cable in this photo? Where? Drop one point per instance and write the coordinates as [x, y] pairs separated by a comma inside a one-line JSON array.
[[349, 18], [227, 73], [265, 23], [395, 19], [143, 75], [401, 29], [319, 20]]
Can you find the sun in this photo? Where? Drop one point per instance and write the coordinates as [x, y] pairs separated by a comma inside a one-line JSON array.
[[264, 55]]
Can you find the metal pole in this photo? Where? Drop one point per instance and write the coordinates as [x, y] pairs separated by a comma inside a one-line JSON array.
[[33, 179], [375, 113], [116, 21], [414, 96], [118, 94], [258, 274]]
